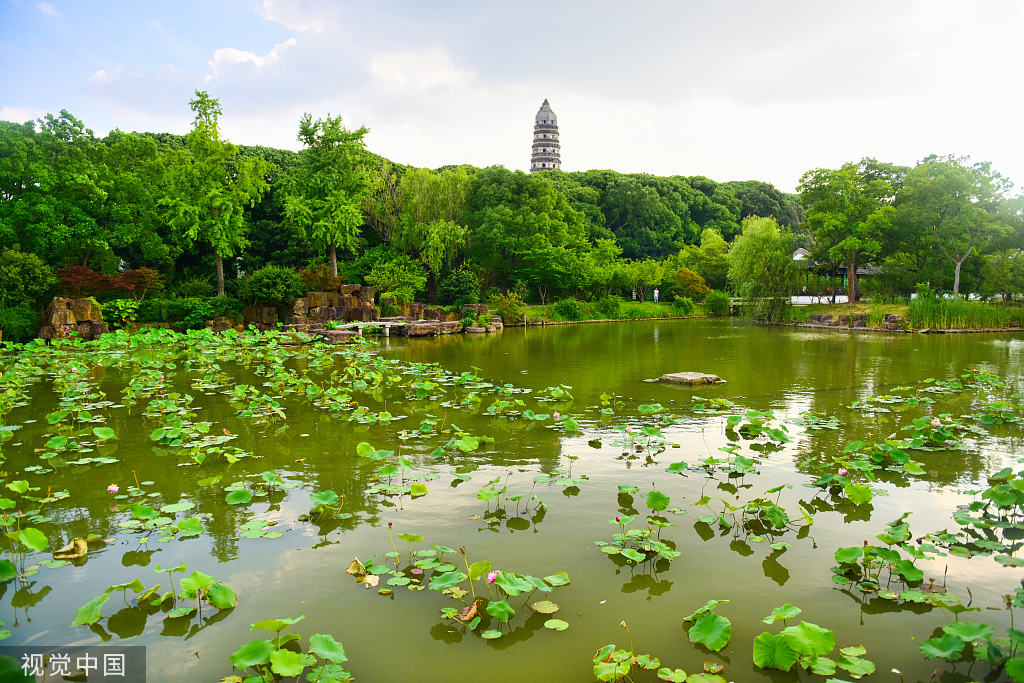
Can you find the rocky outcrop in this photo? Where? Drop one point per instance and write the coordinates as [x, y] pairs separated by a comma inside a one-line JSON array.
[[73, 317]]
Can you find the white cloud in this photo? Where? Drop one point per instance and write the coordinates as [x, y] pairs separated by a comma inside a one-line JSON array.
[[49, 9], [229, 55], [20, 114], [298, 15]]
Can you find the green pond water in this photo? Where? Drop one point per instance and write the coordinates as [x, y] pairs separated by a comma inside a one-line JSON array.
[[558, 524]]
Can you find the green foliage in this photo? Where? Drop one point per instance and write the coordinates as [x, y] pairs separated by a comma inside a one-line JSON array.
[[683, 306], [948, 314], [717, 303], [566, 309], [400, 277], [690, 285], [459, 288], [24, 279], [762, 268], [509, 307], [18, 323], [609, 307], [194, 287], [273, 286], [121, 312]]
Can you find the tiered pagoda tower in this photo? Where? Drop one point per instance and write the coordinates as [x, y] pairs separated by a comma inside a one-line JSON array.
[[547, 152]]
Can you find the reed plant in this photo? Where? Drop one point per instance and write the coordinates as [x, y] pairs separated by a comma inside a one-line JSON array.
[[960, 314]]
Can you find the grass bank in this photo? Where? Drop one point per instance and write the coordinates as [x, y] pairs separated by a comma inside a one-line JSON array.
[[919, 314]]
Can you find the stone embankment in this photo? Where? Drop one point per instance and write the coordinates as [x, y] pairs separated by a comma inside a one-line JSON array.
[[68, 317]]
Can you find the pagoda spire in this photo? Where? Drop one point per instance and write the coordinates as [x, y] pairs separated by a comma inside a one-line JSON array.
[[547, 152]]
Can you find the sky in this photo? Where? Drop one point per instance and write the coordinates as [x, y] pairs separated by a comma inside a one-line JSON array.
[[731, 90]]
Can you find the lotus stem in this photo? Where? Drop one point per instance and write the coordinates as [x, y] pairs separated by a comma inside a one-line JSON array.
[[393, 542], [468, 572]]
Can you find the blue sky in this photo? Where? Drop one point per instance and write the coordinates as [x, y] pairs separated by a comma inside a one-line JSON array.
[[733, 90]]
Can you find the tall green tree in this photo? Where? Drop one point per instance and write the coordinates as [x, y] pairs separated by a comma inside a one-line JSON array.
[[762, 269], [430, 228], [847, 213], [330, 185], [210, 187], [958, 203]]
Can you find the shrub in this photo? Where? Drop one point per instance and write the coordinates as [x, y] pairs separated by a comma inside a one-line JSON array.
[[194, 287], [187, 311], [319, 279], [121, 312], [468, 321], [24, 278], [690, 285], [509, 307], [683, 305], [609, 307], [18, 323], [459, 288], [143, 280], [388, 309], [717, 303], [196, 313], [273, 286], [567, 309], [81, 281]]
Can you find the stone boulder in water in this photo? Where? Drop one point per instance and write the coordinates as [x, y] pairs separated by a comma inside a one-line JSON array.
[[691, 378]]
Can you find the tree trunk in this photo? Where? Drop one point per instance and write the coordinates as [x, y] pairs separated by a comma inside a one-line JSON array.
[[834, 276], [220, 274], [956, 277], [431, 287], [332, 256], [851, 290]]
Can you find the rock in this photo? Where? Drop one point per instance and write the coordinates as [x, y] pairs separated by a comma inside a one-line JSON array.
[[366, 294], [220, 324], [98, 327], [476, 330], [296, 320], [58, 314], [433, 313], [320, 299], [363, 315], [349, 289], [261, 315], [860, 323], [84, 309], [893, 326], [423, 329], [691, 378], [450, 327], [537, 321], [414, 310], [337, 336], [300, 307], [475, 310]]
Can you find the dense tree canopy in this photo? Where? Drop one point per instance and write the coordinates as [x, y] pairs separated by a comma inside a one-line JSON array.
[[181, 205]]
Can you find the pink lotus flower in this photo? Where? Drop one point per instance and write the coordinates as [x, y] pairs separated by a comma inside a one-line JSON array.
[[936, 422], [844, 473], [492, 577], [556, 415], [112, 488]]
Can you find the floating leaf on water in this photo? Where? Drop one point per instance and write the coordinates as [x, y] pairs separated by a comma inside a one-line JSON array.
[[673, 675], [238, 497], [544, 607], [222, 596], [371, 580], [713, 667], [557, 579], [180, 612], [468, 612], [490, 634], [556, 624], [178, 507], [385, 591], [712, 631]]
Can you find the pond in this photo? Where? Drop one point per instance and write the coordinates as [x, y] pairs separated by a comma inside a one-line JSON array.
[[267, 468]]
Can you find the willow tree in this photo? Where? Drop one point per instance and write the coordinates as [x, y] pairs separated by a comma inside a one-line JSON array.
[[429, 229], [210, 186], [328, 189], [762, 269]]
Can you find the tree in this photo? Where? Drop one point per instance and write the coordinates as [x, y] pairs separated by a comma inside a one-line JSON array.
[[24, 278], [762, 269], [430, 229], [383, 204], [847, 213], [643, 276], [210, 186], [958, 204], [330, 186]]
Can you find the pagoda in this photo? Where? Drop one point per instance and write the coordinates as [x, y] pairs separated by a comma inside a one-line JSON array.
[[547, 152]]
